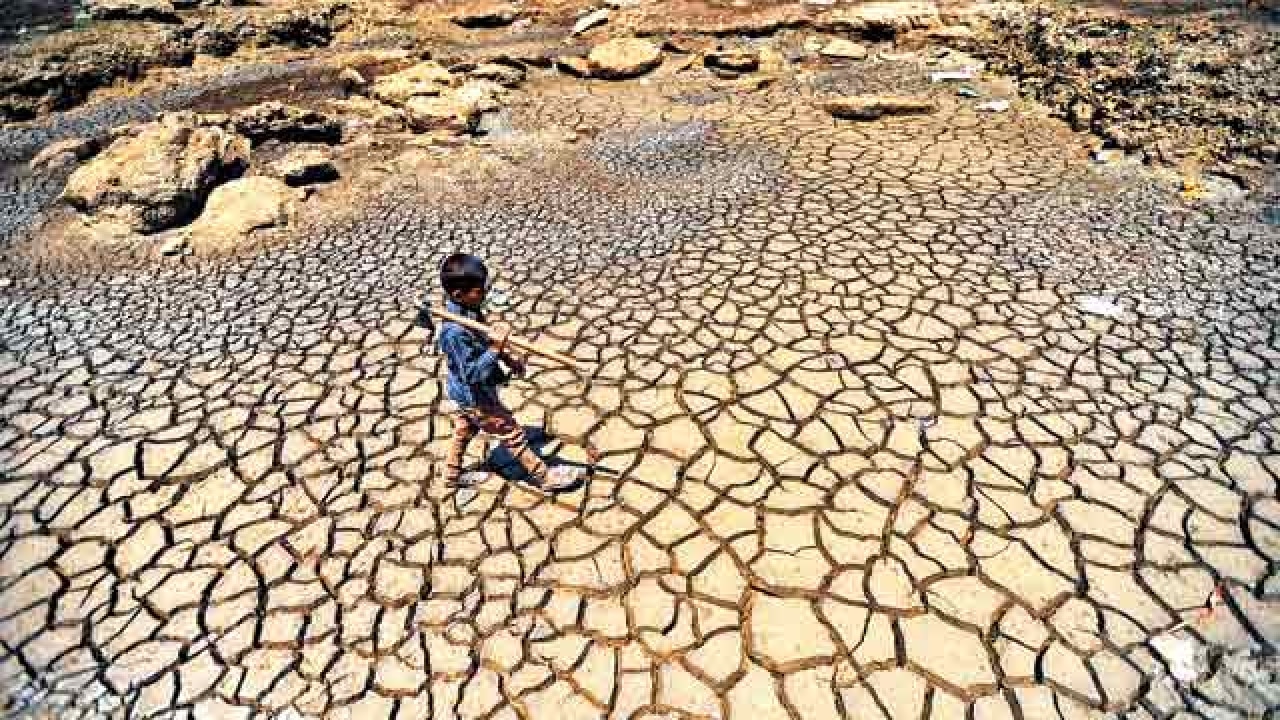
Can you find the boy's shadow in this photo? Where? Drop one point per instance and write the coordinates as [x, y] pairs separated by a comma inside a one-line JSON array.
[[501, 461]]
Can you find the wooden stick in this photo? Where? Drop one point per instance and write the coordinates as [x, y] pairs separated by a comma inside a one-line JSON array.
[[519, 342]]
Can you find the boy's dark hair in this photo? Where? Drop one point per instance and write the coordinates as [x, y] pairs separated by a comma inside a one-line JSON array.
[[462, 272]]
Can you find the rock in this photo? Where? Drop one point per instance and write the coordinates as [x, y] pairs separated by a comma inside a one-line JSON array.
[[220, 39], [456, 111], [312, 27], [733, 60], [1109, 156], [484, 95], [844, 49], [352, 80], [995, 106], [425, 79], [306, 166], [63, 153], [590, 20], [235, 210], [573, 65], [440, 113], [286, 123], [486, 15], [158, 177], [886, 18], [504, 75], [361, 112], [872, 107], [623, 58], [154, 10], [174, 246]]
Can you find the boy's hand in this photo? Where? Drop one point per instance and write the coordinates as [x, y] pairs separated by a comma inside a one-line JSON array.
[[498, 340], [517, 367]]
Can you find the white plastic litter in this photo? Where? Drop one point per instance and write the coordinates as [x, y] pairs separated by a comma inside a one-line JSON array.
[[1102, 305], [994, 106], [1188, 660], [590, 20]]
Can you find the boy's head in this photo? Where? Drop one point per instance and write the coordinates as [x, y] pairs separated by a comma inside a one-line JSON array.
[[464, 278]]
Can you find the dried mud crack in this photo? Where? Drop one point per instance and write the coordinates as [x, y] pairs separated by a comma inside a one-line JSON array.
[[864, 451]]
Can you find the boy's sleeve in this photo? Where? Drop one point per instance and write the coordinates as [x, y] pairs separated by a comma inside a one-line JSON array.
[[477, 364]]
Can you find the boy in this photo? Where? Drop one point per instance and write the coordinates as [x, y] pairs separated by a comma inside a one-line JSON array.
[[475, 365]]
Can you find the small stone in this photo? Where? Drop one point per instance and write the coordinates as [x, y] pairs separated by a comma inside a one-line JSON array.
[[995, 106], [844, 49], [735, 60], [486, 15], [872, 107], [352, 80], [174, 246], [623, 58], [504, 75]]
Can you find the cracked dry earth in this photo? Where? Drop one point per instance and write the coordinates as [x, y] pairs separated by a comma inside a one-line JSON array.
[[862, 454]]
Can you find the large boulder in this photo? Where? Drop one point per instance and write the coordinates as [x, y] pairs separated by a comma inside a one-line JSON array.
[[457, 110], [286, 123], [235, 210], [426, 79], [158, 176], [873, 107], [306, 166], [154, 10], [622, 58]]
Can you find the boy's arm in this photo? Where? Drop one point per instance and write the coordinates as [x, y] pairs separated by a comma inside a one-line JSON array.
[[477, 363]]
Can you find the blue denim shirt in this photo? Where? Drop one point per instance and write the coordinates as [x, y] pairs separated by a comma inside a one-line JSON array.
[[474, 370]]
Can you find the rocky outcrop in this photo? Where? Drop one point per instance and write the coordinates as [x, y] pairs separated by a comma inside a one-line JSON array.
[[158, 176], [623, 58], [237, 209], [873, 107], [1179, 91], [286, 123], [32, 87], [153, 10]]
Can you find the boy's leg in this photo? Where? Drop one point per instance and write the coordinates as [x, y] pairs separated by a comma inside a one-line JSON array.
[[499, 423], [463, 430]]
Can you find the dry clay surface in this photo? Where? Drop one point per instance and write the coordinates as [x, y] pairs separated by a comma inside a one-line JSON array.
[[863, 452]]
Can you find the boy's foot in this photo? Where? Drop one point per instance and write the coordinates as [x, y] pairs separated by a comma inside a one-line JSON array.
[[562, 477], [468, 479]]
